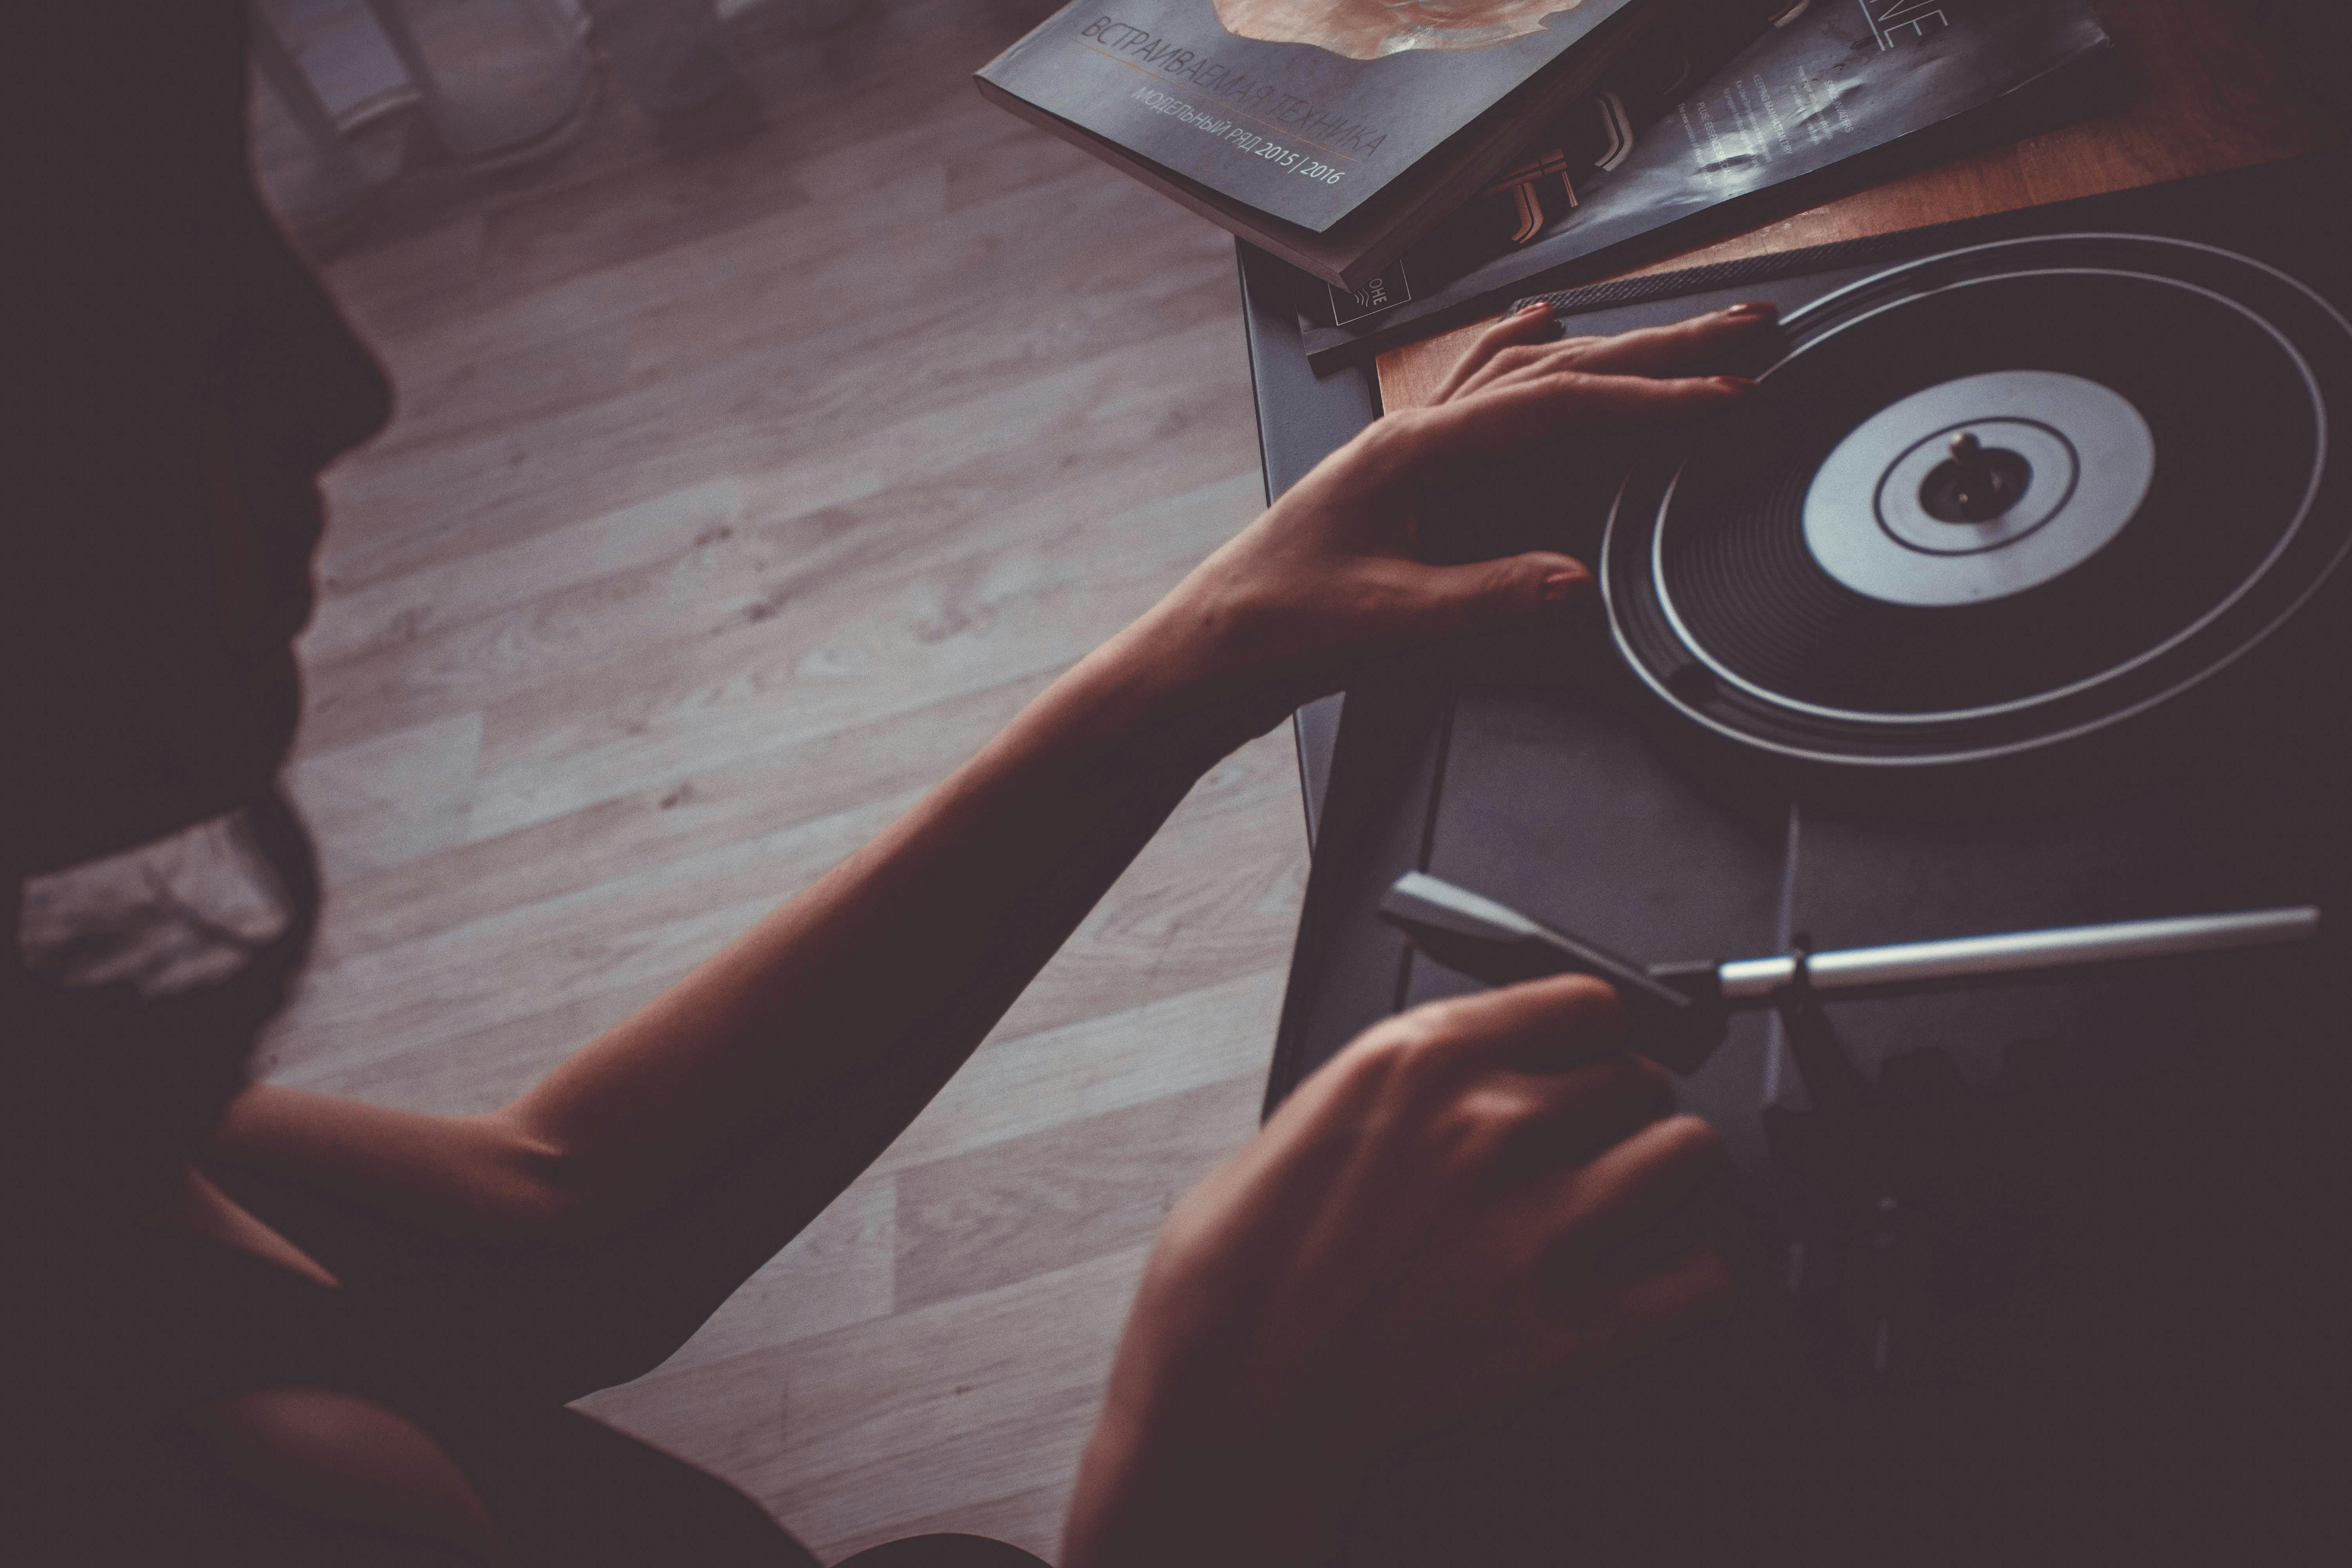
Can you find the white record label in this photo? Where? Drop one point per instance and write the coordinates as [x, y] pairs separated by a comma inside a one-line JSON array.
[[2089, 454]]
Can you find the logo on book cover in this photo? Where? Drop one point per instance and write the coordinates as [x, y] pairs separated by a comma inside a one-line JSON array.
[[1391, 289], [1916, 18], [1527, 185]]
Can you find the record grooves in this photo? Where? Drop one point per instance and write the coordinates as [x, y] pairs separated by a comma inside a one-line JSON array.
[[1993, 502]]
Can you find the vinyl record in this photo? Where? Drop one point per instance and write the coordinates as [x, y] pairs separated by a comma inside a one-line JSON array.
[[1994, 500]]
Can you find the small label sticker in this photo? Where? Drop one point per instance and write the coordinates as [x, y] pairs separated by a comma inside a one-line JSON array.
[[1390, 288]]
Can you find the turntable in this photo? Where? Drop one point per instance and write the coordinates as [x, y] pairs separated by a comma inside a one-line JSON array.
[[1939, 535], [2015, 598]]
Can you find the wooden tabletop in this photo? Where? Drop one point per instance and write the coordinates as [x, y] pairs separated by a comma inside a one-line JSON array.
[[2207, 90]]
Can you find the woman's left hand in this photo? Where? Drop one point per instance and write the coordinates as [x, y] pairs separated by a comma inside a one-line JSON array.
[[1475, 1203], [1333, 574]]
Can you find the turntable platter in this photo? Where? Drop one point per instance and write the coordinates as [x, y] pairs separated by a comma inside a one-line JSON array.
[[1993, 502]]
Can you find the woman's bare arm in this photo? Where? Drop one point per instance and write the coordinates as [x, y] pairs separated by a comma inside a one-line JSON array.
[[874, 985], [835, 1020]]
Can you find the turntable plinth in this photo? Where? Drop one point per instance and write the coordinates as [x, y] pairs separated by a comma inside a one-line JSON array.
[[2016, 594], [2207, 88]]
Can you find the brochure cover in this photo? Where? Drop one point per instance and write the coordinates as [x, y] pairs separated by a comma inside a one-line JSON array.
[[1838, 79], [1302, 110]]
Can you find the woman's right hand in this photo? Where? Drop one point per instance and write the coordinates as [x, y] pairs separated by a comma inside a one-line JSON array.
[[1336, 574], [1449, 1217]]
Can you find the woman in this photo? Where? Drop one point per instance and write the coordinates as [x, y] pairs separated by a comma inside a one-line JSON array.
[[268, 1325]]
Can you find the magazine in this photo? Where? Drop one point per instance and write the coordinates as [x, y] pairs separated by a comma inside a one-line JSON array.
[[1841, 78], [1332, 132]]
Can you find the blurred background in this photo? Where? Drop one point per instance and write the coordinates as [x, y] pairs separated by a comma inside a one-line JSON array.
[[775, 417]]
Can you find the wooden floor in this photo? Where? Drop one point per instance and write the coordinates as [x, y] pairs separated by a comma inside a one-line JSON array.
[[735, 494]]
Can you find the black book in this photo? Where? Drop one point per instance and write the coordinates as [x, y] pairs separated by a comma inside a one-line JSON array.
[[1331, 132]]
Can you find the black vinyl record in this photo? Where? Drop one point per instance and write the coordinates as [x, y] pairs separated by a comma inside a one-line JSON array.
[[1993, 502]]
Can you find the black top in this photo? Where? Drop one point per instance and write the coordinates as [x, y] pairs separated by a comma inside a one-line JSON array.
[[134, 1333]]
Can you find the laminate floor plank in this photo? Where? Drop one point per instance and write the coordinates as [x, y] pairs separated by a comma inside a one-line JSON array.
[[748, 799], [394, 796], [385, 616], [970, 1222], [938, 292], [746, 476], [791, 269], [450, 1072], [661, 191], [842, 1270], [882, 403], [719, 560], [658, 924], [956, 1402], [1020, 1083], [1203, 898], [581, 738]]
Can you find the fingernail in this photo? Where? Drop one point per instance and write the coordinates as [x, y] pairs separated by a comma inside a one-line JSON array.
[[1735, 383], [1540, 308], [1753, 308], [1560, 584]]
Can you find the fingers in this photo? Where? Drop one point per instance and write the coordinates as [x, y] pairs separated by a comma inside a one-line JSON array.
[[1688, 1287], [1653, 351], [1514, 388], [1533, 325], [1630, 1187], [1448, 1106], [1614, 1324], [1573, 1117], [1512, 418], [1538, 1025], [1451, 601], [1650, 350]]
